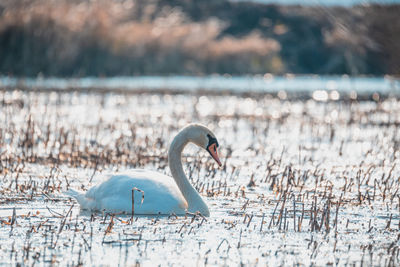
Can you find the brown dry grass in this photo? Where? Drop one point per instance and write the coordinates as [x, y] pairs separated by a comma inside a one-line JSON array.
[[114, 30]]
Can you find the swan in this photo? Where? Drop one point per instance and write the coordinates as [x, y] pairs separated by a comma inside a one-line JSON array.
[[163, 195]]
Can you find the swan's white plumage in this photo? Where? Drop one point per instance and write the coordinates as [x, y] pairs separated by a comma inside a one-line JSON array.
[[161, 194]]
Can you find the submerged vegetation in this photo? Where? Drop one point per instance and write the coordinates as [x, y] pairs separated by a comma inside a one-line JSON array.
[[302, 182]]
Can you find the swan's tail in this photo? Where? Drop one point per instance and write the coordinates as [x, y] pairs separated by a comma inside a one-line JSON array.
[[83, 201]]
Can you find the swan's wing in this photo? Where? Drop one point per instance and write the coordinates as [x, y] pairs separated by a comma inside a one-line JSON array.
[[161, 194]]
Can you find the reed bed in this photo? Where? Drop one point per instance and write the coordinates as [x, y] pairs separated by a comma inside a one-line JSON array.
[[302, 183]]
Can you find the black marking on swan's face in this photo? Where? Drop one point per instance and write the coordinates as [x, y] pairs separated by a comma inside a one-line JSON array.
[[212, 148], [211, 141]]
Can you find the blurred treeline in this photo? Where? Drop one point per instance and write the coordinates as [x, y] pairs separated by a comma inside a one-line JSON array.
[[188, 37]]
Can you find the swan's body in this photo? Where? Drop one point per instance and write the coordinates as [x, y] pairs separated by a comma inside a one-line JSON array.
[[162, 194], [115, 194]]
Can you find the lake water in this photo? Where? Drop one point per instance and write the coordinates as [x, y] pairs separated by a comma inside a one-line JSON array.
[[245, 84], [304, 182]]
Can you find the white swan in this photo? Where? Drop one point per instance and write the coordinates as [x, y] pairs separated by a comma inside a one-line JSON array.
[[162, 194]]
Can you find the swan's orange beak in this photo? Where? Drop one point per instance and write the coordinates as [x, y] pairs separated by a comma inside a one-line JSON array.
[[212, 149]]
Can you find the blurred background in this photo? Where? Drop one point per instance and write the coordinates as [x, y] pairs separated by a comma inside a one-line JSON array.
[[77, 38]]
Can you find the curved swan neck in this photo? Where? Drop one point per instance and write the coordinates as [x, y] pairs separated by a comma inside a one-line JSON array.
[[194, 200]]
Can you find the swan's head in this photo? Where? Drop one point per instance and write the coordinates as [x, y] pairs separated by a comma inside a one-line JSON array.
[[204, 138]]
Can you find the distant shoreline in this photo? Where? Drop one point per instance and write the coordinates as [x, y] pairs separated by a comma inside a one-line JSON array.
[[322, 88], [115, 38]]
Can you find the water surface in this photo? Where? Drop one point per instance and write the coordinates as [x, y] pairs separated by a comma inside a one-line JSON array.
[[244, 84]]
